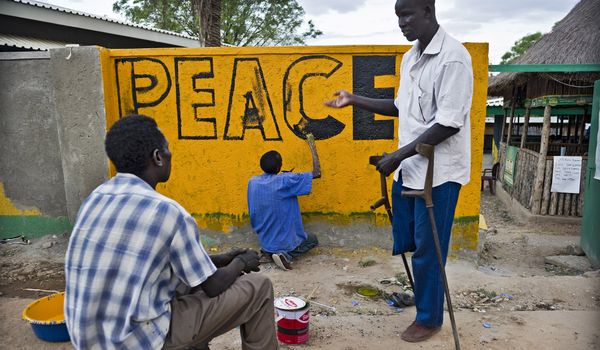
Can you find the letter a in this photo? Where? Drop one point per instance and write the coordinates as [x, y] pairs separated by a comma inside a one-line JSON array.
[[249, 103]]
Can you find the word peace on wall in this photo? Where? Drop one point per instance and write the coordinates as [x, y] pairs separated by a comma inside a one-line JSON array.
[[222, 108], [227, 97]]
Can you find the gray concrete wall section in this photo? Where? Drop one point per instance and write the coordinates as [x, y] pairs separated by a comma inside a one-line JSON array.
[[30, 164], [523, 214], [81, 116]]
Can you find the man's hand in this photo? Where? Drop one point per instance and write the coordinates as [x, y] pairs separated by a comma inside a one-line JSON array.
[[379, 106], [245, 260], [344, 98], [436, 134], [250, 259], [233, 253], [224, 259], [389, 162], [316, 173]]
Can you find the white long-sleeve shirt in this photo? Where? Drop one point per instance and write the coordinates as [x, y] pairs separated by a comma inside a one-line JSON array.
[[436, 87]]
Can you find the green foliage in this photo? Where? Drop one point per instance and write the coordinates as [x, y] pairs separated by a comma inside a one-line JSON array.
[[173, 15], [520, 47], [490, 294], [243, 22], [264, 22]]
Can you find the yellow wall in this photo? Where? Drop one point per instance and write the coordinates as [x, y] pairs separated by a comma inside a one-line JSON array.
[[211, 161], [8, 208]]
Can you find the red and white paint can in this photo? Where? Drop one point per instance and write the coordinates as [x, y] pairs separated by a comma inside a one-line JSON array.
[[293, 317]]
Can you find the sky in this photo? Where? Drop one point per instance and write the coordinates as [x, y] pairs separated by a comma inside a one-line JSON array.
[[353, 22]]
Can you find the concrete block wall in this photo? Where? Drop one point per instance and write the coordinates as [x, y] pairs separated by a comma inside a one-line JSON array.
[[52, 122]]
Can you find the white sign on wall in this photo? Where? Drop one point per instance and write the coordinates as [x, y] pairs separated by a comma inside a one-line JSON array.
[[566, 174]]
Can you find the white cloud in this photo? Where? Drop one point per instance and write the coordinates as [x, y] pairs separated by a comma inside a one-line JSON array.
[[498, 22], [478, 10], [100, 8], [359, 22], [340, 6]]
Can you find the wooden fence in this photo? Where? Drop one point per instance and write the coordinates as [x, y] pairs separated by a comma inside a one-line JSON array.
[[572, 149], [553, 203]]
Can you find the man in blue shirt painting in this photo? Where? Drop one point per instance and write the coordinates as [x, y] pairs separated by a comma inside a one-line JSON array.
[[274, 210]]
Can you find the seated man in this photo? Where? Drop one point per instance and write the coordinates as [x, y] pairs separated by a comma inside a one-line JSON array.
[[274, 210], [137, 276]]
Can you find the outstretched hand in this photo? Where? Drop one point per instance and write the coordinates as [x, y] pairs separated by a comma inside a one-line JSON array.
[[344, 98]]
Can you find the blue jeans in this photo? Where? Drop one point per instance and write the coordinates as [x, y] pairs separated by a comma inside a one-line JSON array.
[[412, 233], [309, 243]]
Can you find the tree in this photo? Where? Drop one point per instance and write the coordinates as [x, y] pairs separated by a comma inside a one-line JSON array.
[[173, 15], [242, 22], [209, 31], [520, 47], [266, 22]]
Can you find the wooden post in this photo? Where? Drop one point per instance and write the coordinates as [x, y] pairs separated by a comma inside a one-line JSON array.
[[510, 122], [525, 126], [546, 194], [561, 206], [553, 203], [580, 150], [567, 204], [503, 126], [560, 128], [569, 123], [541, 165]]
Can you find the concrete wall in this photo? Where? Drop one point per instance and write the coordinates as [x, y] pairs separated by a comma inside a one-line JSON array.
[[79, 96], [31, 176], [52, 122], [221, 109]]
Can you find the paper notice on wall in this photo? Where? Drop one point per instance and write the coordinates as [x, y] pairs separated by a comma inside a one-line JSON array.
[[597, 176], [566, 174]]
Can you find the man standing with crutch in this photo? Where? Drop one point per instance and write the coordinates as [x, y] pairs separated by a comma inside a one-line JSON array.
[[433, 104]]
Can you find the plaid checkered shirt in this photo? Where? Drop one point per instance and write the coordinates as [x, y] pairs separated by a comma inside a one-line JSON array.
[[130, 248]]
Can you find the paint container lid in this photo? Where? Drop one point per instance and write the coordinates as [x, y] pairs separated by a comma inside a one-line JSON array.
[[289, 303], [368, 292]]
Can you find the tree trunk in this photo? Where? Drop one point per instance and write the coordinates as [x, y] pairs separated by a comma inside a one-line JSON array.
[[209, 16], [525, 127], [539, 173]]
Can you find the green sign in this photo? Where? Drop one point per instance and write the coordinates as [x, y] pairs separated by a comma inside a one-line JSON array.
[[510, 162], [557, 100]]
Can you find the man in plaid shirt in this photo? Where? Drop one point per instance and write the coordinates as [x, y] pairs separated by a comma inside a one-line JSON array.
[[137, 276]]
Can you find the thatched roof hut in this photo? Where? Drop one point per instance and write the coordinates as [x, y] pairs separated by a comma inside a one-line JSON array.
[[573, 40]]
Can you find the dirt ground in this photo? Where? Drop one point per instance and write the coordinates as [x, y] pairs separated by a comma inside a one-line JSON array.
[[506, 298]]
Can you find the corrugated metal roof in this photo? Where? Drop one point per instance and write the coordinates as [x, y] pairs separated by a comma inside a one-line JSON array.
[[103, 18], [24, 42]]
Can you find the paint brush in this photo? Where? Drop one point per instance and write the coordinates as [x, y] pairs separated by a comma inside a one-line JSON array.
[[323, 305]]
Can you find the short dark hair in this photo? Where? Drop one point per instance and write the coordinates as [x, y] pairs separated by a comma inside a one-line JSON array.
[[130, 142], [270, 162]]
